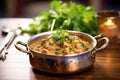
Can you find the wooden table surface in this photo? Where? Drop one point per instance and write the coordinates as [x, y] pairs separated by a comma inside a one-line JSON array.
[[17, 66]]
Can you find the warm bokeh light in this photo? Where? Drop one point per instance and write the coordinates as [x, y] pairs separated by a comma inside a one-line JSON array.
[[109, 22], [109, 28]]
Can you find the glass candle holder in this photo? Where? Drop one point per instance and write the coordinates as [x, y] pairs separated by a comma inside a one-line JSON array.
[[108, 23]]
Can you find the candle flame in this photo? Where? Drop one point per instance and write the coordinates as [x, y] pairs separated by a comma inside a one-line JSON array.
[[109, 22]]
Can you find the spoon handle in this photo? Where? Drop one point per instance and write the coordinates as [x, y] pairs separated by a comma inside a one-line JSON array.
[[3, 48]]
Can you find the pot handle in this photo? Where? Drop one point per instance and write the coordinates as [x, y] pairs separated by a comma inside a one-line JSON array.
[[20, 49], [102, 46], [99, 36]]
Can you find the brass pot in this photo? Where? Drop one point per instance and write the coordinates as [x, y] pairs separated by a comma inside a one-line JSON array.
[[66, 64]]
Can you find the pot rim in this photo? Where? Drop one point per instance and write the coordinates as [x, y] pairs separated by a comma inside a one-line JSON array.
[[49, 32]]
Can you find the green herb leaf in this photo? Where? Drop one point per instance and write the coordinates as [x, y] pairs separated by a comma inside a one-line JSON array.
[[67, 16]]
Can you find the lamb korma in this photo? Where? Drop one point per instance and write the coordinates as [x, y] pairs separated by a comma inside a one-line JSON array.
[[62, 43]]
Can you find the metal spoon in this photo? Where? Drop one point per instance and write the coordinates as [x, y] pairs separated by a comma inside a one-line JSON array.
[[8, 40]]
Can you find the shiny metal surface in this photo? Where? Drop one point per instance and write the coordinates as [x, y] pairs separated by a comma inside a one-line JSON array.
[[61, 64], [3, 48]]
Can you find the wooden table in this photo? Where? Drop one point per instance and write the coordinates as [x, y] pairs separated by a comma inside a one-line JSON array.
[[17, 66]]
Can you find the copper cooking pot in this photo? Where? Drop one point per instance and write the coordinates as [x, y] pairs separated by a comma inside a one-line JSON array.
[[66, 64]]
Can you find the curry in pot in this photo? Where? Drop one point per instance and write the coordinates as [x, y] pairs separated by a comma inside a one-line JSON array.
[[62, 43]]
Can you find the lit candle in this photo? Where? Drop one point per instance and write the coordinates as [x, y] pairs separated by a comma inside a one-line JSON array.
[[108, 28]]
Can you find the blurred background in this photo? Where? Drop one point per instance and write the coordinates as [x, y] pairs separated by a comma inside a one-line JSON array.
[[30, 8]]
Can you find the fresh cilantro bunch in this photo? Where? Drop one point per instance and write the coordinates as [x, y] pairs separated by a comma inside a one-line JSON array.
[[65, 16]]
